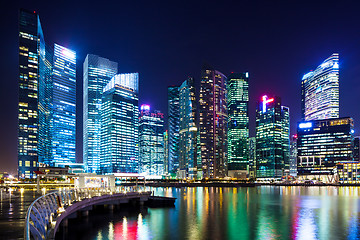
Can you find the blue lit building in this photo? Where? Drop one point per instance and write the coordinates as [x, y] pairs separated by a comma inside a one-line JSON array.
[[31, 40], [320, 91], [187, 131], [97, 73], [119, 152], [173, 121], [63, 130], [272, 138], [151, 141]]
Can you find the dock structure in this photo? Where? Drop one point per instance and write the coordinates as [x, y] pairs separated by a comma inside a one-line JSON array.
[[46, 213]]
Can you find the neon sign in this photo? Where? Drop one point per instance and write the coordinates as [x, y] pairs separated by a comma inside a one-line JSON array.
[[145, 107], [305, 125], [265, 101]]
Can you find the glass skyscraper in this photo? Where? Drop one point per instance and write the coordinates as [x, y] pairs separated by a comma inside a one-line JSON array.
[[151, 141], [173, 121], [97, 73], [119, 152], [63, 129], [187, 130], [213, 123], [30, 42], [320, 91], [272, 138], [238, 124]]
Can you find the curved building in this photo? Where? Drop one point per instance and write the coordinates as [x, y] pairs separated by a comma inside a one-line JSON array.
[[320, 91]]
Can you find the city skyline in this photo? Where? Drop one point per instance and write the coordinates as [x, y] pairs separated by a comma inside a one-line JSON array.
[[310, 59]]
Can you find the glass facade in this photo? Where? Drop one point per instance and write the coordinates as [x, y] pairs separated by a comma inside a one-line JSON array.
[[252, 157], [30, 44], [320, 91], [173, 121], [238, 123], [213, 123], [293, 156], [188, 130], [98, 72], [272, 138], [324, 143], [348, 172], [63, 129], [151, 141], [119, 152]]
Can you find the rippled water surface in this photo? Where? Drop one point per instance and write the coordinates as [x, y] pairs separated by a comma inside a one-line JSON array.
[[265, 212]]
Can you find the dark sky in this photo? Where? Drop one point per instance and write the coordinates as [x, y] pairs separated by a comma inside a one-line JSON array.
[[276, 41]]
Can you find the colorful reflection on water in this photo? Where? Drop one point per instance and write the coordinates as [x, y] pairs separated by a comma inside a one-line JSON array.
[[266, 212]]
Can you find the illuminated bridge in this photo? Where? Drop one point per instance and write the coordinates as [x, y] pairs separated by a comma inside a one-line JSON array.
[[46, 213]]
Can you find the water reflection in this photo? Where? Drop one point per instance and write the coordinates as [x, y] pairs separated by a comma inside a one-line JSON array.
[[237, 213]]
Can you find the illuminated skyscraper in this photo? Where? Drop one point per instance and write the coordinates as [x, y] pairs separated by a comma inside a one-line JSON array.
[[151, 141], [322, 144], [213, 123], [320, 91], [119, 150], [173, 121], [97, 73], [166, 152], [63, 129], [188, 130], [238, 124], [30, 43], [272, 138]]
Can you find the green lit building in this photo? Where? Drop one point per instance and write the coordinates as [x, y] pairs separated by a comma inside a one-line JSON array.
[[173, 121], [272, 138], [238, 124]]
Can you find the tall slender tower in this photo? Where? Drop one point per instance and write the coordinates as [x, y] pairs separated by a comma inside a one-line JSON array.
[[272, 138], [63, 129], [97, 73], [238, 124], [173, 121], [213, 123], [119, 150], [31, 41], [320, 91], [188, 130]]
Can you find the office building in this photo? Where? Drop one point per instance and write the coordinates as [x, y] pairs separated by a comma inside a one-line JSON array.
[[356, 153], [97, 73], [320, 91], [173, 121], [187, 130], [293, 156], [272, 138], [252, 157], [213, 123], [63, 123], [166, 152], [119, 152], [238, 124], [321, 145], [30, 42], [151, 141], [347, 173]]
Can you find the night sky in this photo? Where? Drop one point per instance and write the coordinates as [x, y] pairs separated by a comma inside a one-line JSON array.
[[275, 41]]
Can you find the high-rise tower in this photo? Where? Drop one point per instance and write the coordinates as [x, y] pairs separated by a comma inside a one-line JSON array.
[[97, 73], [238, 124], [188, 130], [63, 126], [213, 123], [320, 91], [173, 121], [272, 138], [119, 150]]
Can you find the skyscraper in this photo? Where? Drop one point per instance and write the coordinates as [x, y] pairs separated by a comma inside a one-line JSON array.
[[320, 91], [63, 126], [213, 123], [97, 73], [173, 121], [151, 141], [30, 43], [238, 124], [272, 138], [187, 130], [119, 150]]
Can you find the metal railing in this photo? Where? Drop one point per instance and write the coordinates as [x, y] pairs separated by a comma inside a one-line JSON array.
[[42, 213]]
